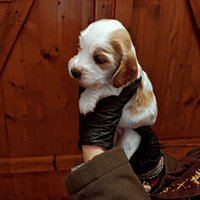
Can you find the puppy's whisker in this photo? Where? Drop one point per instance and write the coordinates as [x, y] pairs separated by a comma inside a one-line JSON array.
[[67, 58]]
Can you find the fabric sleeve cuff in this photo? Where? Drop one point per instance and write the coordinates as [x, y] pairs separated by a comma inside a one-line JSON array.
[[95, 169]]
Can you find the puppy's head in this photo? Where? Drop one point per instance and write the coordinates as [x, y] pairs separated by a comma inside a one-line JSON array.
[[104, 57]]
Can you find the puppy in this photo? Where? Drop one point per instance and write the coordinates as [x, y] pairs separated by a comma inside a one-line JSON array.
[[106, 62]]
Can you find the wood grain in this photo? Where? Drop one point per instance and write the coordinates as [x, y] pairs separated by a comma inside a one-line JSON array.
[[176, 148], [23, 83], [177, 82], [166, 42], [180, 147], [4, 145], [10, 27], [4, 149], [35, 186], [39, 164], [123, 13], [70, 94], [7, 189], [43, 120], [51, 79], [87, 13], [103, 9], [3, 9]]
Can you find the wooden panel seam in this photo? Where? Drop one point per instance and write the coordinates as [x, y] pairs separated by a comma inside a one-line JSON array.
[[191, 142], [39, 164], [66, 162], [113, 9], [195, 7]]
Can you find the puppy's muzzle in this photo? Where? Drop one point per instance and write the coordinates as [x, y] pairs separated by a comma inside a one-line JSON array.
[[75, 73]]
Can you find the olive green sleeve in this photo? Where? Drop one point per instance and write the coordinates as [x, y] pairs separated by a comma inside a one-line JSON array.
[[107, 176]]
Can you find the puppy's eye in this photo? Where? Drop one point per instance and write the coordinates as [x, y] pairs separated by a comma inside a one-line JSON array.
[[98, 60]]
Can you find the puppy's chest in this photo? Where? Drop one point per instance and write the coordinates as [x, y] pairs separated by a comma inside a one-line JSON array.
[[91, 97]]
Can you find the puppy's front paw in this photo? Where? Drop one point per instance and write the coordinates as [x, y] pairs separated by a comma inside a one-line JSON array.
[[86, 105]]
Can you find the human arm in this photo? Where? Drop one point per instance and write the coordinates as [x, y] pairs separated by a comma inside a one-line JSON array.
[[96, 138], [106, 176], [89, 151], [107, 172]]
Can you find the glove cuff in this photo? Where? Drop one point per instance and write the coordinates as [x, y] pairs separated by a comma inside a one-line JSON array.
[[148, 153]]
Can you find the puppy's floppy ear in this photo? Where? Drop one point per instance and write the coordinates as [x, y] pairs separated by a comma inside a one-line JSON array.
[[127, 71]]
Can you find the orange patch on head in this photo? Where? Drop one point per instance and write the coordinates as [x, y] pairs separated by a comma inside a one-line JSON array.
[[100, 50], [127, 71]]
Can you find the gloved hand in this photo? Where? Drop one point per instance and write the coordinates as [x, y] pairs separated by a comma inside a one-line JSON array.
[[148, 153], [98, 127]]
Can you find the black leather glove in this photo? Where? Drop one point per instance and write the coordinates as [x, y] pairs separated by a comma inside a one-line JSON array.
[[98, 127], [148, 153]]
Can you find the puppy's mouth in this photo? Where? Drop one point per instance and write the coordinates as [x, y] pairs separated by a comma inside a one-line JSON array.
[[81, 83], [84, 80], [85, 84]]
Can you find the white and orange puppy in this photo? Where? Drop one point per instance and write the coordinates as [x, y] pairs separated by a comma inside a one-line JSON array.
[[105, 64]]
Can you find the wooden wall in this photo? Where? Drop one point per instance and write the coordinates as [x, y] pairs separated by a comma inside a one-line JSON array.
[[38, 100], [167, 45]]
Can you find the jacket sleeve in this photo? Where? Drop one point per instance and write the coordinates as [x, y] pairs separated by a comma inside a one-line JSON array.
[[107, 176]]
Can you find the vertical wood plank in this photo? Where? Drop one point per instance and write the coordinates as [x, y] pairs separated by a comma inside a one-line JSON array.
[[123, 13], [56, 185], [178, 88], [144, 30], [30, 186], [51, 82], [103, 9], [7, 190], [30, 60], [87, 13], [4, 149], [4, 145], [167, 49], [59, 104], [14, 87], [35, 186], [22, 82], [70, 94], [59, 96]]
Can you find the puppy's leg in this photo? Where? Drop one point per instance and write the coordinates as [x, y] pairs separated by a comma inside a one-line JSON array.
[[90, 97], [128, 139], [88, 101]]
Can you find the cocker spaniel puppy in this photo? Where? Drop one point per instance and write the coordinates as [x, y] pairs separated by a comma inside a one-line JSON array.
[[106, 62]]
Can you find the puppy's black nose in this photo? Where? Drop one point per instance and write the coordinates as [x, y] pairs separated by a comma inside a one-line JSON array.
[[75, 73]]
